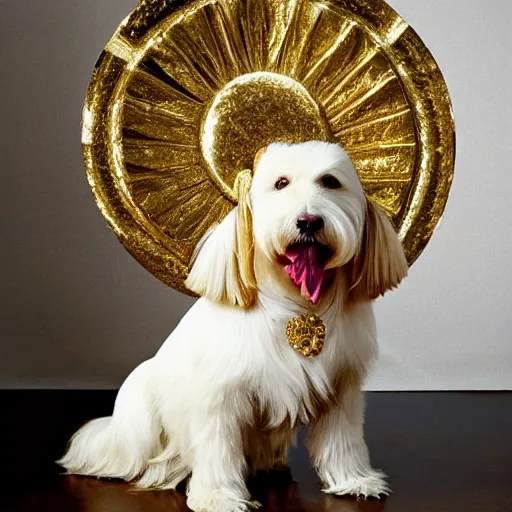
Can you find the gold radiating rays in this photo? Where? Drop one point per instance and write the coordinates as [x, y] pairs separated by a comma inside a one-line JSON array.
[[184, 97], [196, 58]]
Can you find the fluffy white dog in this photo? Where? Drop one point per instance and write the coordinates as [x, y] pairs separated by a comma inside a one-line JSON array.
[[226, 392]]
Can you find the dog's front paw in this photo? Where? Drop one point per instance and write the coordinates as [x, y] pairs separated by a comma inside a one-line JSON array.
[[219, 500], [367, 485]]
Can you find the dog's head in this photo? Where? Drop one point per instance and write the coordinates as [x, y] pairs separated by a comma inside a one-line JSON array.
[[304, 216]]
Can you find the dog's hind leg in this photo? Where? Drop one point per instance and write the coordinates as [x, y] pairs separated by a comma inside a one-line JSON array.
[[268, 450], [121, 445], [163, 474], [281, 441]]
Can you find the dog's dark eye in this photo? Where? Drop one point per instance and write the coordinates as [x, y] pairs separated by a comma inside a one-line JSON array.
[[281, 183], [330, 182]]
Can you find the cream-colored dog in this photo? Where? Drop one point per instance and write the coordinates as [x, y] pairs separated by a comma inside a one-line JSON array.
[[226, 392]]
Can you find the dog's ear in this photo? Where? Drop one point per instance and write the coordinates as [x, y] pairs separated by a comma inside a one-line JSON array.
[[380, 264], [258, 156], [222, 267]]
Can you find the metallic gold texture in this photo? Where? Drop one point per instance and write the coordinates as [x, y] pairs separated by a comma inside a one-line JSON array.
[[306, 334], [187, 92]]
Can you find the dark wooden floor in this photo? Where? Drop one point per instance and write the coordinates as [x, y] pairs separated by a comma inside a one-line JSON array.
[[443, 452]]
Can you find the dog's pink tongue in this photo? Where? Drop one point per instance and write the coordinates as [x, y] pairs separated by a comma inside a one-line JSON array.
[[306, 270]]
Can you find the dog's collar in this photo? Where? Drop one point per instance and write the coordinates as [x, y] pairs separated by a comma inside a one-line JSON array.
[[306, 334]]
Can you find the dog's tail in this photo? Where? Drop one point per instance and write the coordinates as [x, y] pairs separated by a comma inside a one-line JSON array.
[[121, 445]]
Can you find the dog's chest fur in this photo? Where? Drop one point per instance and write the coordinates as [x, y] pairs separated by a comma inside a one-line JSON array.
[[285, 387], [243, 358]]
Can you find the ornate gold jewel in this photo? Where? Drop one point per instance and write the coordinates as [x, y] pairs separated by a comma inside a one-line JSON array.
[[306, 334], [186, 92]]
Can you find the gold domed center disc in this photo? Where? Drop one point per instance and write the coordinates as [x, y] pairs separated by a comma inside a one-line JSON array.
[[249, 113]]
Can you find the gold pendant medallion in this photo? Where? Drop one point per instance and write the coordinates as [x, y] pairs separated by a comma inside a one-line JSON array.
[[306, 334]]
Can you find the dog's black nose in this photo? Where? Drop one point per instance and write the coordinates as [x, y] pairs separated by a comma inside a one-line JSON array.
[[309, 224]]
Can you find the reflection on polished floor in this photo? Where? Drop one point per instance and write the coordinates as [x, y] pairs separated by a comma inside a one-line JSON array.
[[444, 452]]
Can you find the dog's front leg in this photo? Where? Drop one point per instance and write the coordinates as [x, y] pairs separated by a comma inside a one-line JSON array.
[[219, 465], [340, 454]]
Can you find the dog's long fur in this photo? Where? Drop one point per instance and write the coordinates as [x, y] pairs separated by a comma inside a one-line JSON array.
[[225, 393]]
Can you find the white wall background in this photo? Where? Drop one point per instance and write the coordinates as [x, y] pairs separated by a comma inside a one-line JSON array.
[[79, 312], [450, 325]]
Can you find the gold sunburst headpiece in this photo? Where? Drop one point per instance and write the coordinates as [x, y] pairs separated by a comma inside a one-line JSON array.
[[186, 92]]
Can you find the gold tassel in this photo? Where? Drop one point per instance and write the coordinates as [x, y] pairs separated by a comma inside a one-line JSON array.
[[245, 241]]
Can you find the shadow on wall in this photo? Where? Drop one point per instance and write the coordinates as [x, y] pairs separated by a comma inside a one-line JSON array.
[[78, 311]]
